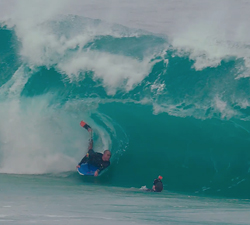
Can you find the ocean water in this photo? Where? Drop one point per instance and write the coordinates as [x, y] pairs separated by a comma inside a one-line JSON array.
[[164, 85]]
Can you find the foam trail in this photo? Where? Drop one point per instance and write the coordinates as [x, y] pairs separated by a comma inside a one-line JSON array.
[[14, 87]]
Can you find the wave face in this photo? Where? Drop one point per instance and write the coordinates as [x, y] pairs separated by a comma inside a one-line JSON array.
[[160, 107]]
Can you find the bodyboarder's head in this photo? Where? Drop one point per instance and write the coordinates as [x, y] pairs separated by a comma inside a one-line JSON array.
[[106, 155]]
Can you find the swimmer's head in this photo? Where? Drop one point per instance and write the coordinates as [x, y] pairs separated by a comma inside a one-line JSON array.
[[160, 177]]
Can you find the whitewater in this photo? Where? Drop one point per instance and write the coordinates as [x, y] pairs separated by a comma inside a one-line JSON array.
[[164, 85]]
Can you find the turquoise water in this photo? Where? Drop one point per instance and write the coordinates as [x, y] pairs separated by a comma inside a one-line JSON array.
[[52, 200], [164, 102]]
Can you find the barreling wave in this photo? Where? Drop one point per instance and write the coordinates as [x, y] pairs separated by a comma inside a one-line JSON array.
[[160, 108]]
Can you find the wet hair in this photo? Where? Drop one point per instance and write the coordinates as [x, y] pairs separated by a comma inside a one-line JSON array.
[[158, 187]]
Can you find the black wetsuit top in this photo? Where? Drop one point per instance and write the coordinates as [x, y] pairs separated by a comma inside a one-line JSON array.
[[95, 159], [156, 181], [158, 186]]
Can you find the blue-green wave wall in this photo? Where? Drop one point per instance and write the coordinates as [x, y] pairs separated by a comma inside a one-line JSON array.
[[190, 126]]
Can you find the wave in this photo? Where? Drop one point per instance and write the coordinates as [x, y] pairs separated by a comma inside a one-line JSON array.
[[161, 109]]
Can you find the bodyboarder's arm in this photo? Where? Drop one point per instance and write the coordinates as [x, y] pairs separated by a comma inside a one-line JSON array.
[[103, 166]]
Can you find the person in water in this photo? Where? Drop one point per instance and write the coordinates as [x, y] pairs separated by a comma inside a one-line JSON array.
[[157, 185], [97, 159]]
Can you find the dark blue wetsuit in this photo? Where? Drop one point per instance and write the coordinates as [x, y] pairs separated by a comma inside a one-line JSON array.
[[158, 186], [95, 159]]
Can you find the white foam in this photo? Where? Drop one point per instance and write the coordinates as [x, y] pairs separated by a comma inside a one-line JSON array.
[[216, 107], [37, 138], [14, 87], [43, 45], [223, 108], [26, 14], [210, 32], [114, 70]]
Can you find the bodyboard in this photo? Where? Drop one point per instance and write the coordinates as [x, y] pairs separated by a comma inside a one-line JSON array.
[[87, 169]]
